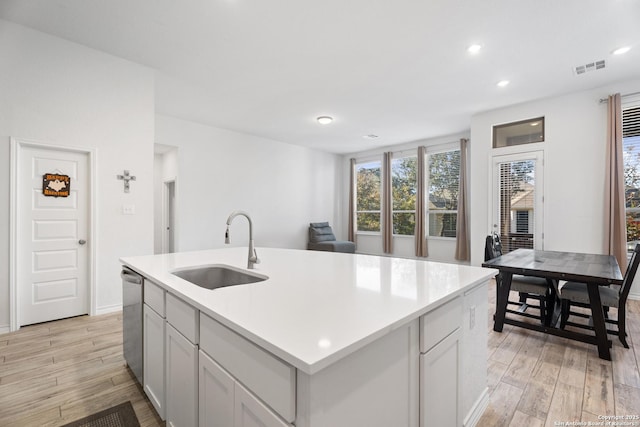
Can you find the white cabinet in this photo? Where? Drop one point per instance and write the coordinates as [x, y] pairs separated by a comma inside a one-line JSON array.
[[440, 365], [267, 376], [216, 396], [153, 358], [224, 402], [440, 383], [182, 379], [250, 412], [153, 324]]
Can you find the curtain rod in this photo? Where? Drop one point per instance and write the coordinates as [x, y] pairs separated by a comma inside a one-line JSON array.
[[604, 100]]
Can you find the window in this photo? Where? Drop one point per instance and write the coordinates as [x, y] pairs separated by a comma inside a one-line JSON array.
[[631, 159], [443, 175], [368, 196], [517, 133], [403, 192], [522, 222]]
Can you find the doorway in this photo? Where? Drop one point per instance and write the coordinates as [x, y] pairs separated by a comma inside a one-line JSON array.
[[168, 219], [517, 206], [51, 244], [165, 184]]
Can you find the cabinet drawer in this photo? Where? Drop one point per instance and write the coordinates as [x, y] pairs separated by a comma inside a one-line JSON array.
[[154, 296], [268, 377], [439, 323], [183, 317]]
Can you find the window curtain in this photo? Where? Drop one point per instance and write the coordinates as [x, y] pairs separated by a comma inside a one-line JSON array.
[[387, 205], [462, 222], [420, 234], [615, 226], [351, 231]]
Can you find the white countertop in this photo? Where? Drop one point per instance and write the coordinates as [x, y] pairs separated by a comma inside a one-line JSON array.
[[316, 307]]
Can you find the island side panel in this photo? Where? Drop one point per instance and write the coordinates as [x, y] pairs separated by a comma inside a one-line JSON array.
[[377, 386]]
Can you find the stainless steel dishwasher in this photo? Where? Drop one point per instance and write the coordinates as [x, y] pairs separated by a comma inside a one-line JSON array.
[[132, 300]]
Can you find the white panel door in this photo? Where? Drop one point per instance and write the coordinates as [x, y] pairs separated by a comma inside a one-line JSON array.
[[52, 254]]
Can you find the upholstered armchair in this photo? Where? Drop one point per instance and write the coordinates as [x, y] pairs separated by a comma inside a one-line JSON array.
[[321, 238]]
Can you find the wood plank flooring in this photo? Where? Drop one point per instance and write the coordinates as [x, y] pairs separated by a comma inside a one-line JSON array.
[[57, 372], [543, 380], [54, 373]]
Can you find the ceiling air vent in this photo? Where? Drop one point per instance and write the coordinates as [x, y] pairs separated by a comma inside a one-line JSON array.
[[596, 65]]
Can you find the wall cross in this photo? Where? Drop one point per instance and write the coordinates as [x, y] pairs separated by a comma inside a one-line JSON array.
[[126, 177]]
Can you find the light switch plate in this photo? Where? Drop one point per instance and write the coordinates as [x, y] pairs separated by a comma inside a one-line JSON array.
[[128, 209]]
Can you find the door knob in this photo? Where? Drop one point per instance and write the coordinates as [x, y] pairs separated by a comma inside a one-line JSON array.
[[82, 242]]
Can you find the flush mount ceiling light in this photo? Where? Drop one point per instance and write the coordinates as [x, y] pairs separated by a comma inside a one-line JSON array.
[[502, 83], [324, 120], [474, 48], [621, 50]]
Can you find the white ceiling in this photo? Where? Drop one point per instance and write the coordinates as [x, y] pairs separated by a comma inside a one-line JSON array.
[[396, 68]]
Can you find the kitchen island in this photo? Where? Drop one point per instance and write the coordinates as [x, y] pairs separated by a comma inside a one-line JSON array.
[[328, 339]]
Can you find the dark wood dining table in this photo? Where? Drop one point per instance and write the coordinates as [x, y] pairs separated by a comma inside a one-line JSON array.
[[593, 269]]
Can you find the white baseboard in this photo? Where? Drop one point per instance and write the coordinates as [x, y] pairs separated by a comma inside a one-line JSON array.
[[108, 309], [477, 409], [634, 296], [4, 329]]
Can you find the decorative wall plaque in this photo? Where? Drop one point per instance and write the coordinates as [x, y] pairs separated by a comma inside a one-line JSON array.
[[56, 185]]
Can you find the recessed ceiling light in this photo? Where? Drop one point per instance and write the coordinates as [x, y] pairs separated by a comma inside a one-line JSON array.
[[474, 48], [502, 83], [621, 50], [370, 136], [324, 120]]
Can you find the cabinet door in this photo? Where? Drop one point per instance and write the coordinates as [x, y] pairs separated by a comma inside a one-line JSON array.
[[439, 383], [182, 380], [250, 412], [216, 397], [153, 358]]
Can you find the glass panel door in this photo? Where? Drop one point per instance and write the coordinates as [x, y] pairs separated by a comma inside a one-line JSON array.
[[517, 200]]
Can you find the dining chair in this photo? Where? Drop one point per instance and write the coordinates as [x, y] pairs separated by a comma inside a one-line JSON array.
[[528, 287], [577, 294]]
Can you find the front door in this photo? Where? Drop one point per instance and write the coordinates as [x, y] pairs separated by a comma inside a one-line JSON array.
[[52, 254]]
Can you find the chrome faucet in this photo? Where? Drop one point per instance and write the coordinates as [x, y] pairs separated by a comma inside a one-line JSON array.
[[253, 256]]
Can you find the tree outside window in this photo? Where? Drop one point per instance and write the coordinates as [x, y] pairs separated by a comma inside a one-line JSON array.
[[443, 171], [403, 191], [631, 159], [368, 196]]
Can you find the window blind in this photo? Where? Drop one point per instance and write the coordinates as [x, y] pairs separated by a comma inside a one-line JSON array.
[[631, 122], [631, 159]]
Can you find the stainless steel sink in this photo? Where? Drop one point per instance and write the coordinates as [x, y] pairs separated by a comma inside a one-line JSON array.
[[217, 276]]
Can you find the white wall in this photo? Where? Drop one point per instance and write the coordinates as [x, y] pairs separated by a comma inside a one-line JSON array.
[[283, 187], [440, 249], [63, 93], [574, 169], [165, 168]]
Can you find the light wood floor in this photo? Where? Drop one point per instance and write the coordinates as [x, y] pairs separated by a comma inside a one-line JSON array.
[[57, 372], [543, 380]]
